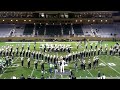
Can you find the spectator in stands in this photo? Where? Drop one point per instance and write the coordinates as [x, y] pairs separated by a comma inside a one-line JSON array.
[[22, 77]]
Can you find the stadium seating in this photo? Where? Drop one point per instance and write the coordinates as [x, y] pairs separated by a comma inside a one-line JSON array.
[[77, 29], [53, 30], [5, 29], [19, 29], [87, 30], [28, 29], [66, 29], [100, 30], [104, 30], [40, 29]]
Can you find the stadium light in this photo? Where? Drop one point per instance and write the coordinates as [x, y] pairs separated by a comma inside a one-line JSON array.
[[24, 20], [16, 20], [101, 20], [88, 20], [29, 20], [3, 20], [42, 14], [11, 20], [106, 20], [93, 20], [100, 16], [75, 20], [66, 16], [80, 20]]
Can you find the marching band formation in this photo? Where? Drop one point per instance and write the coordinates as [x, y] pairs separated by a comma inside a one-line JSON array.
[[9, 52]]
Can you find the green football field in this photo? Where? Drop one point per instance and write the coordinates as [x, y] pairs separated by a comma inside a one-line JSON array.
[[109, 65]]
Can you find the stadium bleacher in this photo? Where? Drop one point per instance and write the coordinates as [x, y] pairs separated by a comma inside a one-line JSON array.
[[40, 29], [100, 30], [53, 30], [28, 29], [66, 29], [5, 29], [78, 29]]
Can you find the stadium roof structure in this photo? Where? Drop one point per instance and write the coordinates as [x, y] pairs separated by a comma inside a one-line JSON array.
[[77, 11], [65, 11]]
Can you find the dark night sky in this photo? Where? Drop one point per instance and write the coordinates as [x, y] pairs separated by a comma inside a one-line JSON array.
[[74, 5]]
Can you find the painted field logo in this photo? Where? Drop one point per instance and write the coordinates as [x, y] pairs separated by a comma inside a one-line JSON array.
[[111, 64], [102, 64]]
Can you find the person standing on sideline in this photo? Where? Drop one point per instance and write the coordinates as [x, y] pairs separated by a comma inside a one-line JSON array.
[[99, 74], [22, 77], [42, 77], [28, 77], [103, 76]]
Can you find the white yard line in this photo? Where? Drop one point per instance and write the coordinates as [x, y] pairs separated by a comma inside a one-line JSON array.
[[40, 42], [110, 66], [7, 68], [32, 71], [90, 73]]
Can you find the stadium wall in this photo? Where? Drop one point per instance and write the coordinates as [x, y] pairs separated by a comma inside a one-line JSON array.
[[68, 38]]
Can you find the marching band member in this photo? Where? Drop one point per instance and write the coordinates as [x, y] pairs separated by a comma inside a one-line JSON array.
[[28, 62]]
